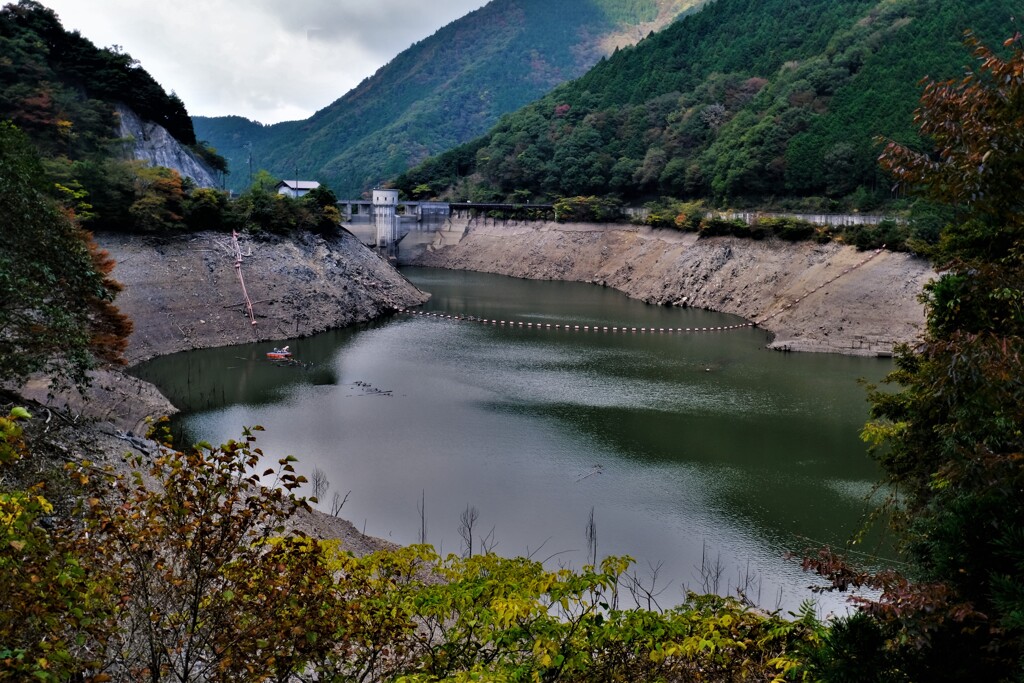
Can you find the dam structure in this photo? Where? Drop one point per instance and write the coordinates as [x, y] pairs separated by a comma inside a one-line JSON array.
[[384, 221]]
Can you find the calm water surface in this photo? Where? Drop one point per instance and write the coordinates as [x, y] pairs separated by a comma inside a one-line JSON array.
[[684, 445]]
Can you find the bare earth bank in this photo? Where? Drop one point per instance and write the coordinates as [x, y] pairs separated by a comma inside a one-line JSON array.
[[866, 311], [185, 293]]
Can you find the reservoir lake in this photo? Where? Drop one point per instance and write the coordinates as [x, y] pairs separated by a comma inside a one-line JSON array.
[[691, 449]]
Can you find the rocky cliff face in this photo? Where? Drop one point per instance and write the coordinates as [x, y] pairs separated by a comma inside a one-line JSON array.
[[152, 143], [813, 297]]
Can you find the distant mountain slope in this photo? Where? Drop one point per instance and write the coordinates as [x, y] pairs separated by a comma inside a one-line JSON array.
[[742, 101], [440, 92]]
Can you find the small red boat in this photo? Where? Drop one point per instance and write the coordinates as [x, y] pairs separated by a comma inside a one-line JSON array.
[[279, 354]]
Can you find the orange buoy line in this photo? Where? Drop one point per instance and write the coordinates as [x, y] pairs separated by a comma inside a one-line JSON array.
[[567, 326], [624, 328]]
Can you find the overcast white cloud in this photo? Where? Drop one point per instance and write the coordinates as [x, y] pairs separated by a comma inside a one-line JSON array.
[[266, 60]]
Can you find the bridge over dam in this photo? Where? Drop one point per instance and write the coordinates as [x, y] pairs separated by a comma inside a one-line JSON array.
[[388, 224]]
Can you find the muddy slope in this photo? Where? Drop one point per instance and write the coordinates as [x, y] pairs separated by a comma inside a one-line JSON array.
[[184, 293]]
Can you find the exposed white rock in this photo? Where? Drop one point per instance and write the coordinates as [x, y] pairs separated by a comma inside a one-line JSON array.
[[152, 143]]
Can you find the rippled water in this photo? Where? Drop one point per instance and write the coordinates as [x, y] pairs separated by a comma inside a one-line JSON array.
[[685, 445]]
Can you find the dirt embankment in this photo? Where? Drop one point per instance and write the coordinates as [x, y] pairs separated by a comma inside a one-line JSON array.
[[185, 294], [786, 287]]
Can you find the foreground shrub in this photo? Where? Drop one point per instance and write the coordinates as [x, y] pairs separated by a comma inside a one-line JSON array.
[[188, 572], [949, 431]]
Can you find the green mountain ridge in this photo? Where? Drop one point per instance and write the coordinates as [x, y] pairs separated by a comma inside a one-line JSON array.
[[742, 102], [440, 92]]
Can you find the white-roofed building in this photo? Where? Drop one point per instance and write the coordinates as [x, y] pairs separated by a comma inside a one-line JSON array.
[[296, 188]]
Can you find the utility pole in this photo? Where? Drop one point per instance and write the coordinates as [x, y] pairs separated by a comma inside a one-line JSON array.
[[248, 146]]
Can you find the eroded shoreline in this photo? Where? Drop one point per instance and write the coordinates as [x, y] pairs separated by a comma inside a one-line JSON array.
[[183, 293], [811, 297]]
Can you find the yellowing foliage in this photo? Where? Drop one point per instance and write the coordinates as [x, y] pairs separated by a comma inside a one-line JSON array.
[[197, 578]]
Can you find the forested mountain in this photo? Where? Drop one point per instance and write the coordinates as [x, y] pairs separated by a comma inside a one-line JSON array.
[[63, 94], [61, 165], [60, 88], [744, 102], [440, 92]]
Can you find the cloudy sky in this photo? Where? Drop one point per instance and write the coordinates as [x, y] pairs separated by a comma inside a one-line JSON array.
[[266, 60]]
